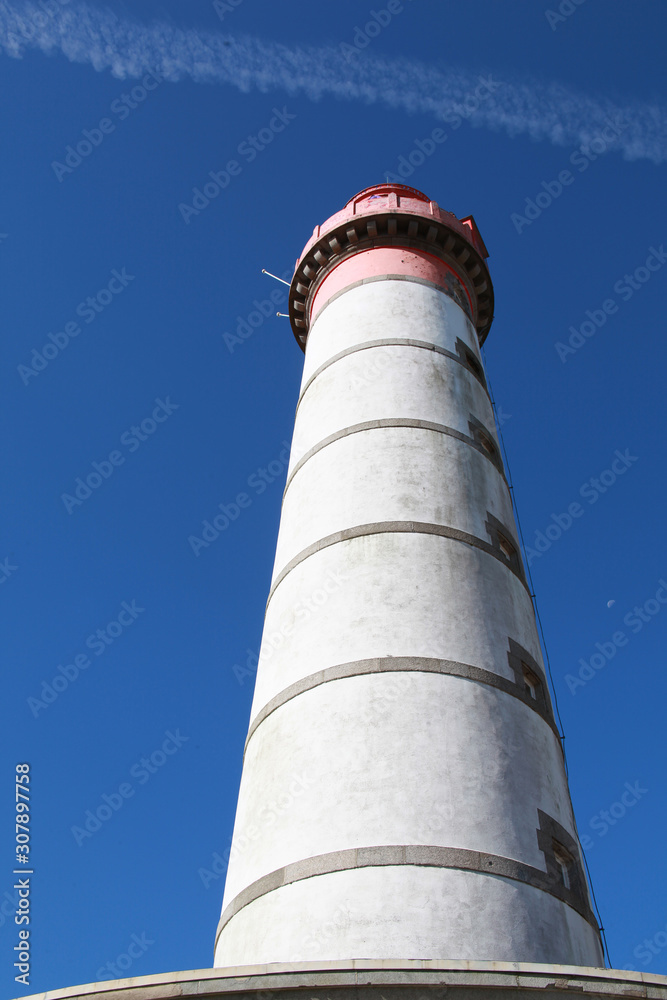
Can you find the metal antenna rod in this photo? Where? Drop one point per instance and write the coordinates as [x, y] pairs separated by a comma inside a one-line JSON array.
[[283, 314], [264, 271]]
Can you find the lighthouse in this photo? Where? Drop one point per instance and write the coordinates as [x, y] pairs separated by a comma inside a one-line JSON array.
[[404, 825], [403, 781]]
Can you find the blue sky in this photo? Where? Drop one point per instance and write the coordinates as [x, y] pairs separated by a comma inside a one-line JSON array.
[[122, 309]]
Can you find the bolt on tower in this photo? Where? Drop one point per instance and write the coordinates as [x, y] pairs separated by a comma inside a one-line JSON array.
[[403, 782]]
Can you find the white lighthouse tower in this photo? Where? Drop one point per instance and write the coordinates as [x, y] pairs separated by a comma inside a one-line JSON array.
[[404, 826], [403, 794]]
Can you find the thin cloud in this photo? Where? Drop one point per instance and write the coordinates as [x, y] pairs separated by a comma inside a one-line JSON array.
[[127, 49]]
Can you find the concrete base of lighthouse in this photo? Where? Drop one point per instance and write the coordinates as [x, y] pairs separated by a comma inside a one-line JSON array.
[[377, 980]]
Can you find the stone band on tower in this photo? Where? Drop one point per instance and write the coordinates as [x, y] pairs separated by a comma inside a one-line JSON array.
[[403, 781]]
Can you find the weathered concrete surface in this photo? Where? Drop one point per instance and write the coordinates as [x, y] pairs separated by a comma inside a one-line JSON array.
[[390, 979], [390, 547]]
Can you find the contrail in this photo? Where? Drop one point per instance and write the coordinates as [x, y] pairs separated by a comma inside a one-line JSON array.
[[552, 113]]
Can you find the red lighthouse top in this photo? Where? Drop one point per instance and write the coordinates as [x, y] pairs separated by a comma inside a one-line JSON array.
[[386, 215], [403, 200]]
